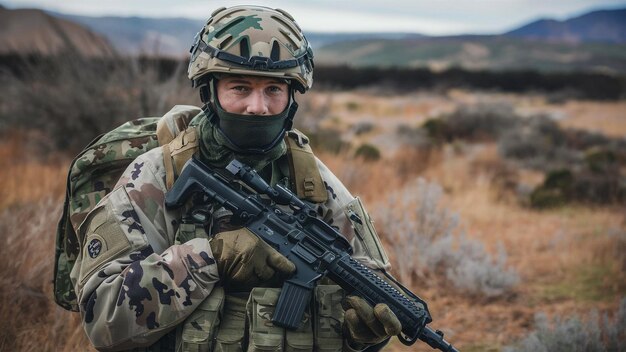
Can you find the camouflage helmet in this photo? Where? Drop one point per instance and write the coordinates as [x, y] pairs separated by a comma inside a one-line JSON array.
[[252, 40]]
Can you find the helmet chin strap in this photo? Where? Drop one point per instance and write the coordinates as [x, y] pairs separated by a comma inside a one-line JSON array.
[[209, 98]]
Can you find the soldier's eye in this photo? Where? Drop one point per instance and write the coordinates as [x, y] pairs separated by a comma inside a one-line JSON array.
[[274, 89]]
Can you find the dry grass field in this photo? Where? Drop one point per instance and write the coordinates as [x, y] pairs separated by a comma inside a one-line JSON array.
[[568, 261]]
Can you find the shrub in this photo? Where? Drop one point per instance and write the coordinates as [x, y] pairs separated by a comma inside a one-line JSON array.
[[352, 106], [362, 127], [419, 137], [368, 152], [539, 143], [600, 160], [574, 335], [437, 129], [474, 270], [479, 122], [81, 97], [426, 238], [327, 139], [582, 185], [543, 197]]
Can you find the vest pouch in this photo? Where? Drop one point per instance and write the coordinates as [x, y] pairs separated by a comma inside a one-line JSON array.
[[300, 340], [200, 328], [264, 336], [230, 336], [328, 318]]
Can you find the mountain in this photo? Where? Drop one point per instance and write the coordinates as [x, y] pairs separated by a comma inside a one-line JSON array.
[[171, 37], [28, 31], [592, 42], [597, 26]]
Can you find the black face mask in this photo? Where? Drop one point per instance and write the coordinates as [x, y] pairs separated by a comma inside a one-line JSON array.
[[251, 133]]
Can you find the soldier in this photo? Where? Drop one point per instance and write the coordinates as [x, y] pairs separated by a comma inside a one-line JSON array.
[[147, 279]]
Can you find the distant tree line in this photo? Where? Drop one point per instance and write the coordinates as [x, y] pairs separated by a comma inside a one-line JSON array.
[[570, 85], [581, 85]]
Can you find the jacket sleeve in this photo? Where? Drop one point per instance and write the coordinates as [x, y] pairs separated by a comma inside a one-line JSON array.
[[133, 286], [347, 214]]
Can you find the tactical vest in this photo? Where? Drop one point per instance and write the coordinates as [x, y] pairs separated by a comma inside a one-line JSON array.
[[226, 322]]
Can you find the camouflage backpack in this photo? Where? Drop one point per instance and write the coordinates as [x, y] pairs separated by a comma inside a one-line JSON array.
[[94, 173]]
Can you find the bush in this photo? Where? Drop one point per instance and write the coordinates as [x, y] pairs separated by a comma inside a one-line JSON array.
[[426, 238], [437, 129], [368, 152], [362, 127], [352, 106], [480, 122], [582, 185], [574, 334], [543, 197], [327, 139], [76, 97], [537, 142], [600, 160]]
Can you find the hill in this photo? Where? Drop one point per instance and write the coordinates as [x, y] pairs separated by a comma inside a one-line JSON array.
[[169, 37], [477, 53], [30, 31], [600, 26]]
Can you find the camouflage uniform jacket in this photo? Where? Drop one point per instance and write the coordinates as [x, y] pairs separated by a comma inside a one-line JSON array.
[[134, 285]]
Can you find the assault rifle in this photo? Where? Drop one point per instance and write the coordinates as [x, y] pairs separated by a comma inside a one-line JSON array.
[[313, 246]]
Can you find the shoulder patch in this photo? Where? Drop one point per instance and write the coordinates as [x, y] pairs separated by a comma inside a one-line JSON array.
[[94, 247]]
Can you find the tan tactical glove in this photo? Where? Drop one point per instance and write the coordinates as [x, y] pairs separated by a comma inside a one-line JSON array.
[[366, 326], [244, 261]]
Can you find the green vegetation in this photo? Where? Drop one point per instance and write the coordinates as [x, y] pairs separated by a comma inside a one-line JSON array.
[[327, 139], [367, 152], [588, 284]]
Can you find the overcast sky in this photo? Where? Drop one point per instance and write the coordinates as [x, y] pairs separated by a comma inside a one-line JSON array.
[[433, 17]]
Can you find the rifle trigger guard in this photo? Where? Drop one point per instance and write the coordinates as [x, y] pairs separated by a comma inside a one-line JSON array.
[[407, 341]]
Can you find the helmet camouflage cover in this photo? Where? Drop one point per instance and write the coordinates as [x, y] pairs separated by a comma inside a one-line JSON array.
[[252, 40]]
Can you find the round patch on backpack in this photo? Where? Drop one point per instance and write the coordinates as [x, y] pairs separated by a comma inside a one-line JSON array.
[[94, 248]]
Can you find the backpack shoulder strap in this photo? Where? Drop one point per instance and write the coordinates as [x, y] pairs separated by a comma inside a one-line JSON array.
[[174, 122], [305, 174], [177, 152]]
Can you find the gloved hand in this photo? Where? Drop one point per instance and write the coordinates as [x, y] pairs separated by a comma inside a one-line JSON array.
[[244, 261], [366, 326]]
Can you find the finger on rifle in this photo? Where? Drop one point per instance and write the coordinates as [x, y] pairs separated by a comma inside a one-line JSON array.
[[388, 319], [281, 264], [365, 313], [264, 272]]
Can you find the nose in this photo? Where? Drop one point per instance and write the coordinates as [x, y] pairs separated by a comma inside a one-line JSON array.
[[257, 104]]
